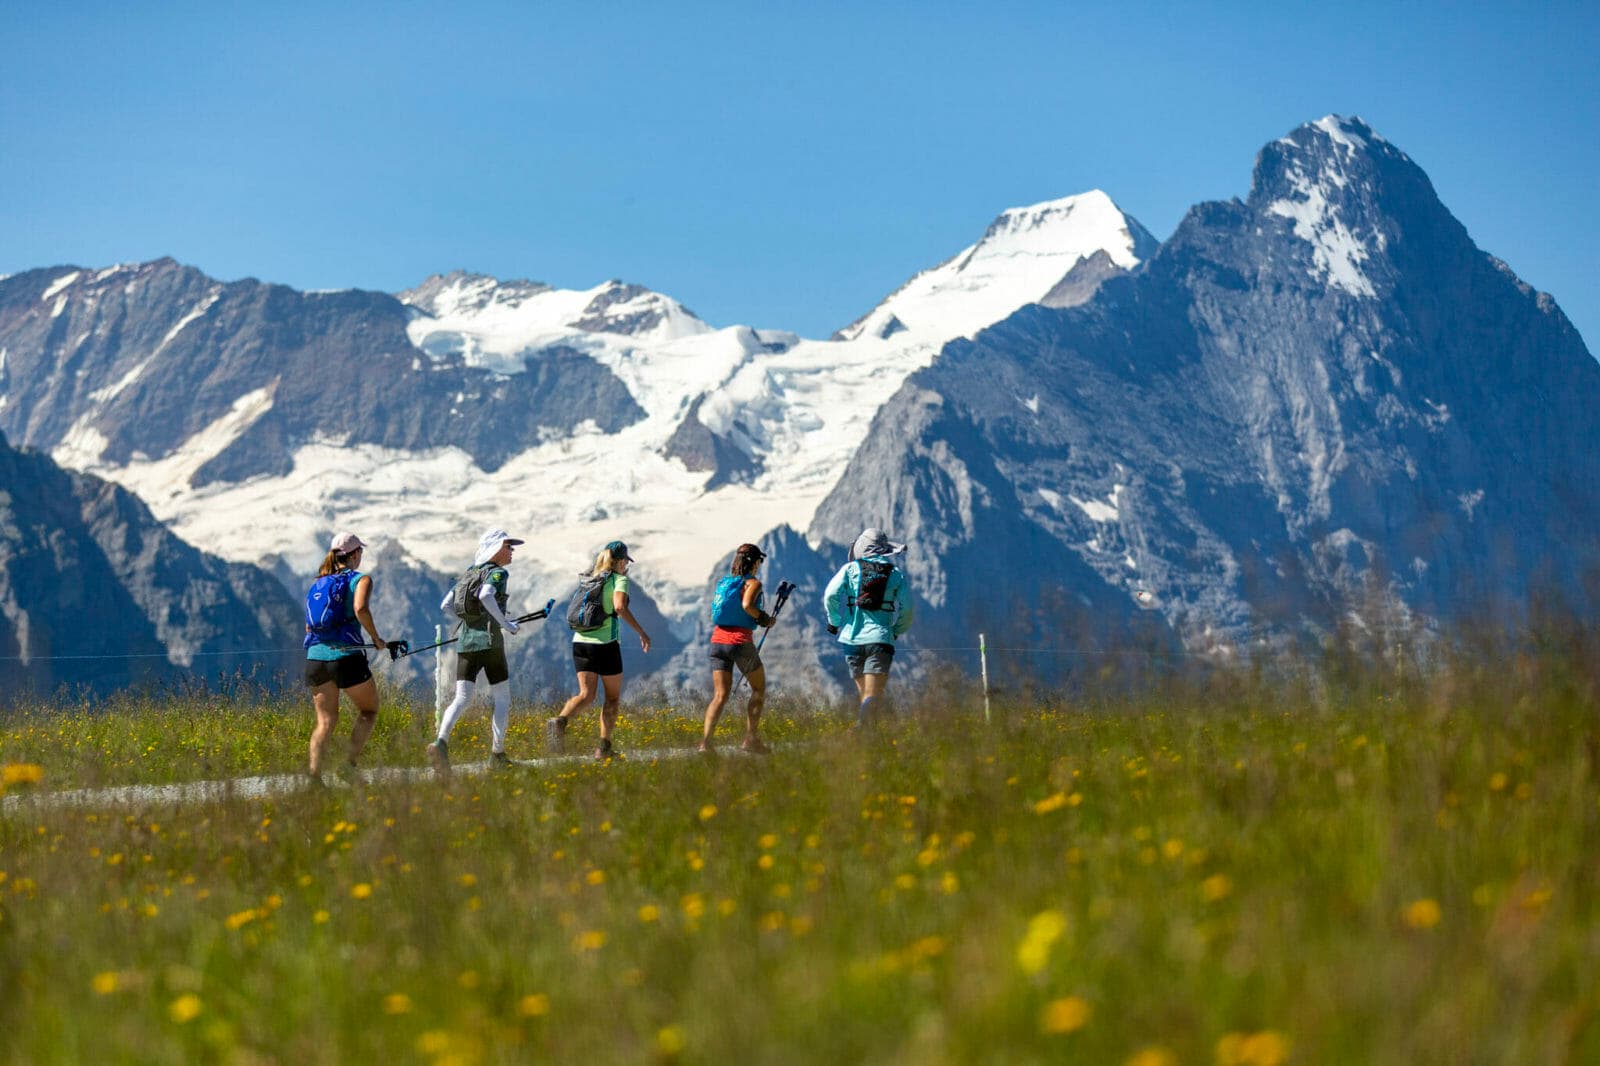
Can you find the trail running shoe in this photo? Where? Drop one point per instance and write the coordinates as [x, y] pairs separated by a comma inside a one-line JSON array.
[[555, 733], [349, 773], [439, 756], [755, 746], [606, 751], [501, 761]]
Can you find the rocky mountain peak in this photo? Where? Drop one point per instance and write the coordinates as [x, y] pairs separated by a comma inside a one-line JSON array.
[[462, 290], [633, 310], [1348, 193]]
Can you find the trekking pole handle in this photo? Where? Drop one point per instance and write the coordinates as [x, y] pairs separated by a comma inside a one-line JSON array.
[[543, 612]]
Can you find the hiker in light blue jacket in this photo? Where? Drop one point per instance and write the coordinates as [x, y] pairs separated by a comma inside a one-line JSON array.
[[869, 608]]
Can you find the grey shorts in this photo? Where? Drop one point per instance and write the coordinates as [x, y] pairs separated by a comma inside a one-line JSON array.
[[727, 656], [869, 658]]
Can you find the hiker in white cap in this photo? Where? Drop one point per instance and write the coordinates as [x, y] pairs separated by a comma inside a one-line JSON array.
[[478, 599], [869, 608], [337, 610]]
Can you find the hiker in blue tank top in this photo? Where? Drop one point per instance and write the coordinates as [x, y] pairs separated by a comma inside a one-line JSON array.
[[735, 613], [337, 610], [478, 599], [869, 608]]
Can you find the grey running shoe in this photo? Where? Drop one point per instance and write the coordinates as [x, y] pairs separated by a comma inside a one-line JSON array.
[[606, 751], [501, 761], [755, 746], [555, 734], [439, 756], [349, 772]]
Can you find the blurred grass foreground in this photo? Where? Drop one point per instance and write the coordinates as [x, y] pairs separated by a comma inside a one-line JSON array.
[[1347, 864]]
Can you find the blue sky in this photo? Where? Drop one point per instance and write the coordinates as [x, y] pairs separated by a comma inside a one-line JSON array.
[[782, 165]]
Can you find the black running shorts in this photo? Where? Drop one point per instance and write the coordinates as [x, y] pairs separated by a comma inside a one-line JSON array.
[[491, 661], [602, 659], [347, 671], [724, 657]]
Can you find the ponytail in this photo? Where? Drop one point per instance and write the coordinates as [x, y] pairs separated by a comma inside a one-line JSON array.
[[333, 563], [603, 564]]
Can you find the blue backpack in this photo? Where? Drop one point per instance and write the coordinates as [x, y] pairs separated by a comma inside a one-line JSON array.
[[331, 610], [727, 606]]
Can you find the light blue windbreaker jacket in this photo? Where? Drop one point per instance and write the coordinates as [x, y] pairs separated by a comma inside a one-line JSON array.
[[858, 626]]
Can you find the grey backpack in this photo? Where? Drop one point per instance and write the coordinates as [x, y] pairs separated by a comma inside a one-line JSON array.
[[464, 596], [588, 609]]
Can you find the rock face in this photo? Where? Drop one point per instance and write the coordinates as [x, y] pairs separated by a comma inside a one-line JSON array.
[[138, 361], [1305, 406], [96, 594]]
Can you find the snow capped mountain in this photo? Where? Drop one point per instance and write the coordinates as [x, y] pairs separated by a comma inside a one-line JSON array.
[[1025, 253], [1322, 406], [464, 402], [1320, 390]]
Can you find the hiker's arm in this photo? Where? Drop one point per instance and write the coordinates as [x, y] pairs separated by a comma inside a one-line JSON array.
[[490, 604], [448, 604], [363, 615], [831, 599], [904, 608], [752, 593], [619, 604]]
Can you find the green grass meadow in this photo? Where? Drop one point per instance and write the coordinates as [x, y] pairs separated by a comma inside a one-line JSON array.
[[1384, 869]]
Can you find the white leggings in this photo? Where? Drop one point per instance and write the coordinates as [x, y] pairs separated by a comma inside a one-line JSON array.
[[502, 711]]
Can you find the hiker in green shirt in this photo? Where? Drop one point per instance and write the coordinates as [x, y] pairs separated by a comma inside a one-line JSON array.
[[601, 599]]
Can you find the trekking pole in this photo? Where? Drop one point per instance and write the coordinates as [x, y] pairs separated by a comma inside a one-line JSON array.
[[784, 588], [406, 649]]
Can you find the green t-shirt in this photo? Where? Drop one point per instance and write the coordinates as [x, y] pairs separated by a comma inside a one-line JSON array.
[[484, 632], [607, 632]]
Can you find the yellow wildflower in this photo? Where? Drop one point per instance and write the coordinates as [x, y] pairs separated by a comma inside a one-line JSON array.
[[185, 1008], [670, 1040], [20, 773], [1267, 1048], [1065, 1015], [1044, 930], [1422, 914]]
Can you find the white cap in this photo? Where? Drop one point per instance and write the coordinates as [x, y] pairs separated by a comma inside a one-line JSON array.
[[345, 543], [490, 543]]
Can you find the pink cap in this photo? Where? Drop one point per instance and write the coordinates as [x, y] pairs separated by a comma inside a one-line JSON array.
[[345, 543]]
